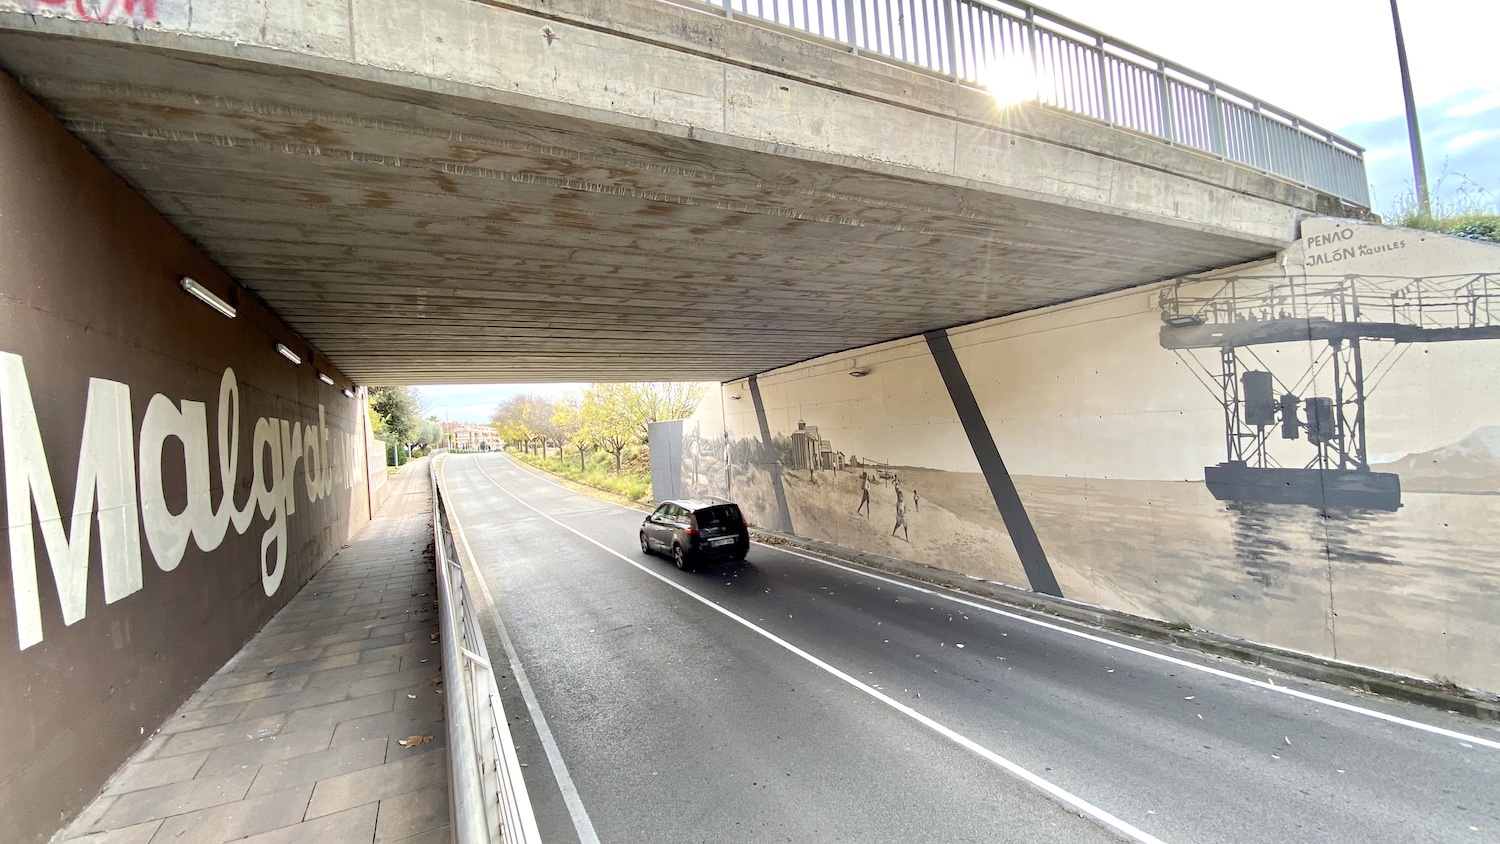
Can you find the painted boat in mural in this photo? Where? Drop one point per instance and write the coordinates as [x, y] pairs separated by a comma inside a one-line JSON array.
[[1330, 488]]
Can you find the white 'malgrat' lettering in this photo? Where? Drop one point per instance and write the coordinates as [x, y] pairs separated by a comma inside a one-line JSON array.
[[106, 470], [107, 464]]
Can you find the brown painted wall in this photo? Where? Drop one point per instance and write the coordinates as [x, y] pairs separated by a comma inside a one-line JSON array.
[[89, 290]]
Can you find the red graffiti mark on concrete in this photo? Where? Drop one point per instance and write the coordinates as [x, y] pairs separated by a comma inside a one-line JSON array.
[[103, 11]]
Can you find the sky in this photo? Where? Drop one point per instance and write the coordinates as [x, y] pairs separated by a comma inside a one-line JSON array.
[[1333, 63], [1330, 62]]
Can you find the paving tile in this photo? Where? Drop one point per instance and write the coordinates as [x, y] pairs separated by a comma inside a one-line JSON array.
[[305, 699], [408, 774], [421, 648], [418, 676], [393, 726], [208, 738], [136, 834], [164, 801], [332, 713], [412, 813], [138, 775], [265, 751], [441, 835], [255, 691], [233, 821], [200, 718], [309, 768], [297, 662], [351, 673], [365, 645], [353, 826]]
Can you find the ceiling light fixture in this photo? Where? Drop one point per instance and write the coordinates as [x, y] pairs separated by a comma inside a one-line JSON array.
[[284, 351], [348, 394], [207, 297], [325, 379]]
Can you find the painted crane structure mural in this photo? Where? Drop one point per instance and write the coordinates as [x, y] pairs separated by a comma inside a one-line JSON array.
[[1359, 327]]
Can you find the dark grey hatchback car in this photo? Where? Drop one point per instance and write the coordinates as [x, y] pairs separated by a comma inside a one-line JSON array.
[[691, 529]]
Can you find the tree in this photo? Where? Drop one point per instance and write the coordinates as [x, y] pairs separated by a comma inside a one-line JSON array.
[[568, 422], [658, 401], [400, 412], [608, 416], [524, 418]]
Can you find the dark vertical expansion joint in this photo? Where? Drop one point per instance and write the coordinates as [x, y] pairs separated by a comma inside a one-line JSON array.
[[1012, 511], [783, 512]]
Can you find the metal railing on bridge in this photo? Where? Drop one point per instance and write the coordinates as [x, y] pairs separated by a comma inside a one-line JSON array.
[[1032, 54], [489, 802]]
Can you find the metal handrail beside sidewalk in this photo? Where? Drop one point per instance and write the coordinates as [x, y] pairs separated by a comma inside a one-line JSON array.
[[488, 798]]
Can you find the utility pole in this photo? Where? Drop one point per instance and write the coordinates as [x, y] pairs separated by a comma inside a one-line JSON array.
[[1418, 164]]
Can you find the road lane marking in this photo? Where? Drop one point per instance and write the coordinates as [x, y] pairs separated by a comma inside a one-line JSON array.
[[1207, 669], [581, 822], [1057, 793], [1263, 685]]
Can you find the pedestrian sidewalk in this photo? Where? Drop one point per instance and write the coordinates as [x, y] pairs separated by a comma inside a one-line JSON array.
[[298, 738]]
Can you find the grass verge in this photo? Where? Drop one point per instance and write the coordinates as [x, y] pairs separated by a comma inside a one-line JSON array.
[[632, 487]]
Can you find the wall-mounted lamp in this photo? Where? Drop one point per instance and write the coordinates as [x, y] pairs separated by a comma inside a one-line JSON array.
[[859, 373], [284, 351], [325, 379], [207, 297], [348, 394]]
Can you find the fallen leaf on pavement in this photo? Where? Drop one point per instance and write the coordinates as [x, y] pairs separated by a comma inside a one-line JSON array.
[[413, 741]]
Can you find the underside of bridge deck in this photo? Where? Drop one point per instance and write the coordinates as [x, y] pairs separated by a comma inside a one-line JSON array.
[[456, 232]]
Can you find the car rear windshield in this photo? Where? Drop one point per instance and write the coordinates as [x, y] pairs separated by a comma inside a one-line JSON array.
[[724, 515]]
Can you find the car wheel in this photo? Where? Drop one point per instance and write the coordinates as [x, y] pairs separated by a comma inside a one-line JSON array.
[[738, 556], [679, 557], [645, 544]]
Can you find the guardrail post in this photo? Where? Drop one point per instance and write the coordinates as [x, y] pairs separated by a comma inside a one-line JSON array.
[[1216, 122], [1109, 109], [728, 10], [1168, 130], [849, 24], [1036, 67], [949, 10]]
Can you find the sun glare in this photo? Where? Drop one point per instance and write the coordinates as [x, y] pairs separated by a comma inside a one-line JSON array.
[[1010, 80]]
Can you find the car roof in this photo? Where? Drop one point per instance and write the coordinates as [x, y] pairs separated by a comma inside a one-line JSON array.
[[697, 503]]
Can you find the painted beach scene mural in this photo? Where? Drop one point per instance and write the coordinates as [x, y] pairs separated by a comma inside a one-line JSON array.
[[1297, 452]]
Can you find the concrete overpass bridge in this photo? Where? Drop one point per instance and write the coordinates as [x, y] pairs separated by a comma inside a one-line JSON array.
[[461, 190], [376, 192]]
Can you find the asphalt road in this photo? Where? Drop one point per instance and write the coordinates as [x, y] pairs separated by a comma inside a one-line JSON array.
[[787, 698]]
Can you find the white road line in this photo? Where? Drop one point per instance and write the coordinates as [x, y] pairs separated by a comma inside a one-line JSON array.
[[1057, 793], [1207, 669], [1183, 663], [581, 823]]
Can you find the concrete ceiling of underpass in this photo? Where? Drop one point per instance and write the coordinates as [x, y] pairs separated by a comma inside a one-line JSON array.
[[422, 238]]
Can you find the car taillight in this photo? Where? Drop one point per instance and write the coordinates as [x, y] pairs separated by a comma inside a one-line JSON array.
[[692, 528]]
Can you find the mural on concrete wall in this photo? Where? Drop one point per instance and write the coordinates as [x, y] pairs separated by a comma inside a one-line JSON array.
[[1305, 453]]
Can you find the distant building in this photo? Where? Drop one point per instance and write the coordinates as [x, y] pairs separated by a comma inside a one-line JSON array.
[[809, 451], [469, 437]]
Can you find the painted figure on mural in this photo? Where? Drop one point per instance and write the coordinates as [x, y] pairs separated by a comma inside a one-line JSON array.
[[916, 501], [900, 513], [864, 494]]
